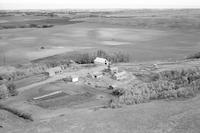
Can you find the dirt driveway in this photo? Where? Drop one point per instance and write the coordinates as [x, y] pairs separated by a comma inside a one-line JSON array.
[[82, 72]]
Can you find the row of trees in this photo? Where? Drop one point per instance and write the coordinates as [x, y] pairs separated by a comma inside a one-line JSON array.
[[87, 58], [8, 89]]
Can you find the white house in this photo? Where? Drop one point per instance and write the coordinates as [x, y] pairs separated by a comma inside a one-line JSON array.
[[74, 78], [101, 61], [54, 71]]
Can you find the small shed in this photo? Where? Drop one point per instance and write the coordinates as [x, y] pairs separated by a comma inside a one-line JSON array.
[[101, 61], [120, 76], [74, 78], [54, 71]]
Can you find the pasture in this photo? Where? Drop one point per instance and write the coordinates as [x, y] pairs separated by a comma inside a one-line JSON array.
[[22, 45]]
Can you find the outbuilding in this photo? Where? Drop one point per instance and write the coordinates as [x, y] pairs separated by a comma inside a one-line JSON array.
[[74, 78], [54, 71], [120, 76], [101, 61]]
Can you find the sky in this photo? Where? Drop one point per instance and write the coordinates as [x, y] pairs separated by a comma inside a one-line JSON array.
[[97, 4]]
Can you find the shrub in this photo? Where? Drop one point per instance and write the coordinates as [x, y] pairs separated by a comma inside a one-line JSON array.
[[118, 92], [184, 92], [4, 93], [114, 103], [84, 58], [12, 89]]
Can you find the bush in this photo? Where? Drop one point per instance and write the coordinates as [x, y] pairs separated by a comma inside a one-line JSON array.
[[118, 92], [114, 103], [12, 89], [84, 58], [4, 93]]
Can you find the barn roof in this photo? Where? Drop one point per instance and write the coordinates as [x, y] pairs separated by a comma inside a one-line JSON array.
[[98, 59]]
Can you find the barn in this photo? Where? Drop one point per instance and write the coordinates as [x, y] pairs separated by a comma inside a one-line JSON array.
[[54, 71], [120, 76], [101, 61]]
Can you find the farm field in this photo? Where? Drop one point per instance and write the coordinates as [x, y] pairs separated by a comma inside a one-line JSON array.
[[23, 45], [173, 39]]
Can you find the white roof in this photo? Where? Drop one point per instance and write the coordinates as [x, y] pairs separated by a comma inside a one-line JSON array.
[[102, 60]]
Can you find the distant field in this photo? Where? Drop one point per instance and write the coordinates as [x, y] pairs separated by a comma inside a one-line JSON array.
[[144, 35]]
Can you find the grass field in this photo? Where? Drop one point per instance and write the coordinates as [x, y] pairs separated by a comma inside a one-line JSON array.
[[23, 45], [165, 35]]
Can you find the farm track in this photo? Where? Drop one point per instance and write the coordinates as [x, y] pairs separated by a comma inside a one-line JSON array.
[[82, 72]]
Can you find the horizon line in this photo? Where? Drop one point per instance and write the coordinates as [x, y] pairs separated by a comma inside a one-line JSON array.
[[185, 8]]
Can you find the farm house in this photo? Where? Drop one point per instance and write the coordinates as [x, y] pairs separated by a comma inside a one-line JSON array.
[[74, 78], [54, 71], [101, 61]]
